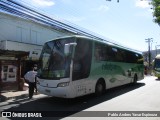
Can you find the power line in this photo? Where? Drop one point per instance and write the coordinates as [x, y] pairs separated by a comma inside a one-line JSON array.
[[22, 11], [27, 13]]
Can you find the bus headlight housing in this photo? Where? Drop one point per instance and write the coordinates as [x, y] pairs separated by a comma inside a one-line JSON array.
[[64, 84]]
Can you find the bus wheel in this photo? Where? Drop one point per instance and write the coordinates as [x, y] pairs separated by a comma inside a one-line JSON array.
[[100, 88], [158, 78], [135, 79]]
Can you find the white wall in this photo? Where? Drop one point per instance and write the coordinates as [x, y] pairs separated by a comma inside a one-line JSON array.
[[17, 29]]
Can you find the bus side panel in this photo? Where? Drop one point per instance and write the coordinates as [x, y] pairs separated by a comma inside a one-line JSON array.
[[105, 65]]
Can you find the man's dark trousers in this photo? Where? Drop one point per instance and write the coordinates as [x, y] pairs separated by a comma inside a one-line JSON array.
[[31, 89]]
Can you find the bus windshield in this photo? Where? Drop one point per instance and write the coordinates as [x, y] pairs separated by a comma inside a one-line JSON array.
[[53, 62]]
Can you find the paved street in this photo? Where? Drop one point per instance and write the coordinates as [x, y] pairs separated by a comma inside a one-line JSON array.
[[143, 96]]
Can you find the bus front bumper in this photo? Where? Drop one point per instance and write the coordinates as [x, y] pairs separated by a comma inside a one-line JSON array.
[[157, 74], [61, 92]]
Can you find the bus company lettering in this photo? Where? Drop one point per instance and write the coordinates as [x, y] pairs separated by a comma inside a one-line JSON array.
[[109, 67]]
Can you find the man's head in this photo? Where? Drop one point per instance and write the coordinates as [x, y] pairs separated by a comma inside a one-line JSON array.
[[34, 67]]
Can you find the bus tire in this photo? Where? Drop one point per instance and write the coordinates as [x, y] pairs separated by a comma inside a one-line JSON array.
[[135, 79], [100, 88]]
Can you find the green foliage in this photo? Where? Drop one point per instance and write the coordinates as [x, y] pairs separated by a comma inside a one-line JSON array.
[[156, 8]]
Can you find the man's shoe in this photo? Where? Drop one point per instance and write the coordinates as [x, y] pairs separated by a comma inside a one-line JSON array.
[[30, 97]]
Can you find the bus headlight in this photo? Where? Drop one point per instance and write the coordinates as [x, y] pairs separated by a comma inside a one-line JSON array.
[[64, 84]]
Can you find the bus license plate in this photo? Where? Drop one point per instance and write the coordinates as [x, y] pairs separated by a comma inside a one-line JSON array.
[[48, 91]]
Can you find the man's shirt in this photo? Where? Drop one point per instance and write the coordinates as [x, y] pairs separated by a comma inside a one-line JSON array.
[[30, 76]]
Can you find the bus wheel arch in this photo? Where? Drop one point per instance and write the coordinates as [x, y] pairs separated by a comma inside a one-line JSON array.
[[100, 87], [135, 79]]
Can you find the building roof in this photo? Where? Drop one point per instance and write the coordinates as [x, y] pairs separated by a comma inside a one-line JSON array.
[[12, 53]]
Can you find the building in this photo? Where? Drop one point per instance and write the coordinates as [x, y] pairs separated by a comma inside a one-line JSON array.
[[21, 42]]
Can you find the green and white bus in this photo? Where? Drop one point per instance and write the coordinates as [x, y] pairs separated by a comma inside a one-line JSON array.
[[76, 65], [157, 66]]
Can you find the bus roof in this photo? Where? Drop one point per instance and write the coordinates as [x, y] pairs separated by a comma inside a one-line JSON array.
[[102, 41], [158, 56]]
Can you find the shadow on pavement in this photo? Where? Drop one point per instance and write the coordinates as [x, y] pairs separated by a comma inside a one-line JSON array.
[[157, 79], [3, 98], [60, 108]]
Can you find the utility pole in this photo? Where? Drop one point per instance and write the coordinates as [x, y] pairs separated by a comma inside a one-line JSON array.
[[149, 40]]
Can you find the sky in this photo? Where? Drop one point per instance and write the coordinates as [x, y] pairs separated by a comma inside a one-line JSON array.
[[129, 22]]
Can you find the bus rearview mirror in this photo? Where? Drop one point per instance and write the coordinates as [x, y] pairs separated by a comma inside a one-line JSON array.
[[69, 48]]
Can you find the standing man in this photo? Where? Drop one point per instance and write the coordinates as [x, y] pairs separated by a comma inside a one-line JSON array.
[[30, 77]]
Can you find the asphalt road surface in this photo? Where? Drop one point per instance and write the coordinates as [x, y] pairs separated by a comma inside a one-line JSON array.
[[142, 100]]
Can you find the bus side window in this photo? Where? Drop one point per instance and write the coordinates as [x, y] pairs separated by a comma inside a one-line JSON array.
[[97, 53], [100, 52]]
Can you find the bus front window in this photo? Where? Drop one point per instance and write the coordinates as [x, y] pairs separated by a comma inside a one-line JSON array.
[[157, 64], [54, 64]]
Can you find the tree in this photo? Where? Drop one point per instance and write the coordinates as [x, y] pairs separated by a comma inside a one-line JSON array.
[[156, 8]]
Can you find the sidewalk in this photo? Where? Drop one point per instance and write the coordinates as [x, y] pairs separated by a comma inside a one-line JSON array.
[[6, 95], [13, 94]]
